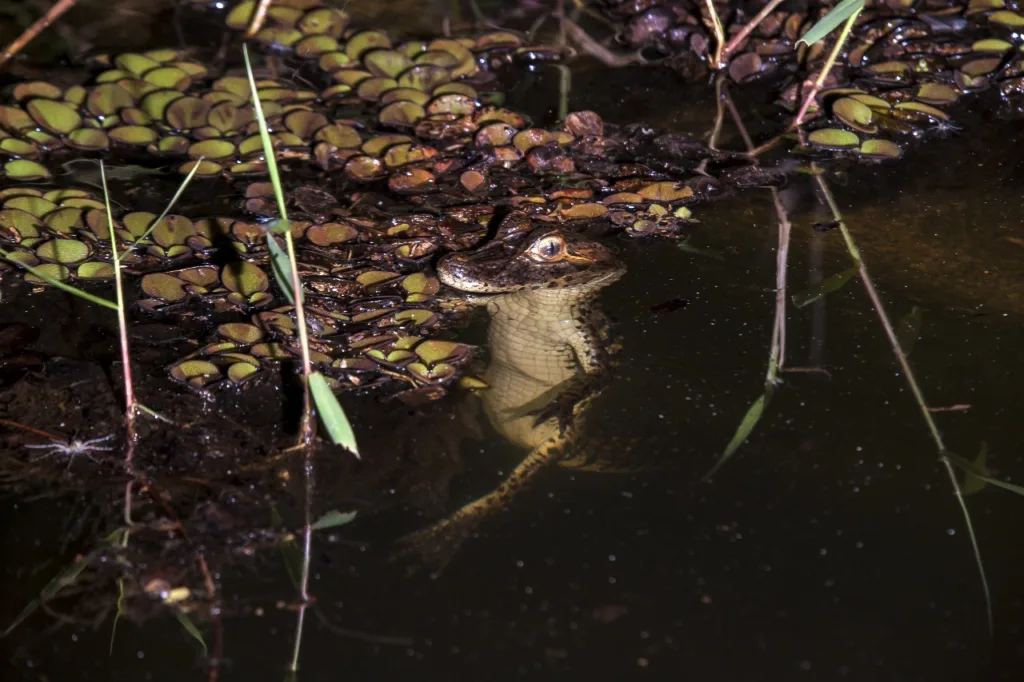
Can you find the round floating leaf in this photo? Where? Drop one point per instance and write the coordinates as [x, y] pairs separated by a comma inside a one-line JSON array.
[[416, 317], [376, 145], [49, 271], [59, 195], [473, 180], [340, 136], [95, 270], [89, 139], [168, 77], [205, 168], [244, 278], [33, 203], [419, 283], [324, 20], [239, 332], [195, 372], [134, 135], [134, 116], [57, 117], [75, 95], [64, 220], [240, 371], [424, 77], [186, 113], [411, 180], [15, 119], [991, 45], [385, 63], [495, 135], [16, 224], [173, 145], [24, 91], [666, 191], [401, 114], [363, 42], [155, 103], [304, 124], [212, 149], [433, 351], [165, 287], [855, 114], [64, 251], [372, 277], [329, 234], [273, 351], [936, 93], [584, 212], [922, 110], [438, 58], [16, 147], [364, 168], [332, 61], [453, 103], [1008, 19], [833, 138], [107, 99], [135, 64], [440, 372], [466, 63], [23, 169], [371, 89], [173, 230], [883, 149], [405, 95]]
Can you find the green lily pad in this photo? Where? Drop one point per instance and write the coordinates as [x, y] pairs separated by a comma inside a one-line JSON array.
[[95, 270], [244, 278], [239, 332], [134, 135], [165, 287], [196, 372], [89, 139], [881, 149], [855, 114], [47, 272], [64, 251], [57, 117], [23, 169], [833, 138]]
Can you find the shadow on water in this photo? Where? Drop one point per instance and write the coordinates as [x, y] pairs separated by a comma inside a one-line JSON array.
[[830, 547]]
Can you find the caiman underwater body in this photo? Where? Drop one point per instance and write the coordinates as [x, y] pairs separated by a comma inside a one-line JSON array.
[[549, 352]]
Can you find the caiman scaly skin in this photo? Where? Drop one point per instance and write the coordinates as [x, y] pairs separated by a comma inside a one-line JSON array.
[[548, 352]]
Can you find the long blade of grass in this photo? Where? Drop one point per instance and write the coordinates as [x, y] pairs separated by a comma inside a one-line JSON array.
[[827, 286], [268, 147], [191, 628], [333, 519], [282, 268], [63, 579], [331, 414], [6, 255], [830, 21], [167, 209], [750, 420]]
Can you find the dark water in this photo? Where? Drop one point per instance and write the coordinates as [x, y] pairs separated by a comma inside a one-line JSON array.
[[831, 546]]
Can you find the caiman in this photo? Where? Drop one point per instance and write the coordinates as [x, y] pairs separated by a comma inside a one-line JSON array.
[[549, 352]]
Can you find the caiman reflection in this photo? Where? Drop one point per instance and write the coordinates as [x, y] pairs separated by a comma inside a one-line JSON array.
[[549, 351]]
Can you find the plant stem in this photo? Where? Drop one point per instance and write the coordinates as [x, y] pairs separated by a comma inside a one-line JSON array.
[[122, 323], [307, 552], [915, 389], [716, 26], [751, 25], [35, 29], [823, 74], [258, 17]]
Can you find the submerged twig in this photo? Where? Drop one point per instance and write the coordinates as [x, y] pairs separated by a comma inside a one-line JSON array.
[[716, 27], [29, 34], [737, 39]]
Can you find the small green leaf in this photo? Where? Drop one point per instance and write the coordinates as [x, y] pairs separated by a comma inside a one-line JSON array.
[[908, 328], [63, 579], [827, 286], [830, 21], [191, 628], [980, 474], [750, 420], [333, 519], [331, 414], [282, 268]]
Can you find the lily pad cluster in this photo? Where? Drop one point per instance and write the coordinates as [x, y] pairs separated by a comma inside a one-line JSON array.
[[907, 62]]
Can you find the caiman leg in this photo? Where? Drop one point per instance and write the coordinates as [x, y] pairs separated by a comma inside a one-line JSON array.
[[437, 544]]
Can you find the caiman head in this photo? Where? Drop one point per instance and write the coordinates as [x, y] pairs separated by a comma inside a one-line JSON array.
[[538, 258]]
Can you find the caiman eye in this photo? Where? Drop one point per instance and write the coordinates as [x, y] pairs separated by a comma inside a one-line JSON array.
[[549, 249]]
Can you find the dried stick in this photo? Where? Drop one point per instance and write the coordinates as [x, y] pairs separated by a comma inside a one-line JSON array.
[[823, 74], [258, 17], [35, 29]]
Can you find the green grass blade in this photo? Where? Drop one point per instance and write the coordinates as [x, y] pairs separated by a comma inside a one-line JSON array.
[[827, 286], [333, 519], [191, 628], [167, 209], [6, 255], [282, 268], [331, 414], [979, 473], [830, 21], [750, 420], [117, 616], [268, 146], [63, 579]]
